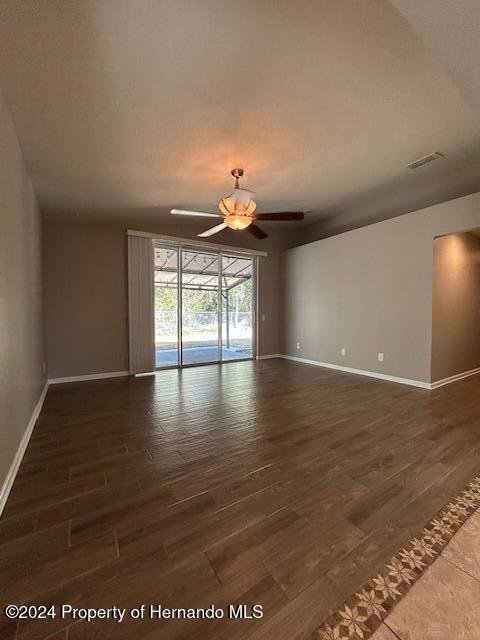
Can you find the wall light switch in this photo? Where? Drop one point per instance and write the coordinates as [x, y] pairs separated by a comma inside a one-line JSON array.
[[263, 317], [343, 351], [380, 357], [298, 345]]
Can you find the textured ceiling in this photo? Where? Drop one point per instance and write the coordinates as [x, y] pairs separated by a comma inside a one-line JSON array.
[[451, 32], [147, 105]]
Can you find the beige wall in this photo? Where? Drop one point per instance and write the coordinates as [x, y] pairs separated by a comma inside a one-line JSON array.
[[86, 309], [85, 298], [21, 343], [370, 290], [456, 305]]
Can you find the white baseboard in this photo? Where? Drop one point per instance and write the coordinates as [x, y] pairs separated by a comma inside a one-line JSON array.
[[270, 355], [91, 376], [361, 372], [12, 472], [458, 376]]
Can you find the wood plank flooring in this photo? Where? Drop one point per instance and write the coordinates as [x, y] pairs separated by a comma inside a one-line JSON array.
[[271, 482]]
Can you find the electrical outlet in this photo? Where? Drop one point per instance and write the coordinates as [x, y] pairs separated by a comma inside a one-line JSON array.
[[380, 357], [298, 345], [343, 351]]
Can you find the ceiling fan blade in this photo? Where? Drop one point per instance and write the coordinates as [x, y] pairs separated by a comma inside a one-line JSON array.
[[212, 231], [257, 232], [203, 214], [281, 215]]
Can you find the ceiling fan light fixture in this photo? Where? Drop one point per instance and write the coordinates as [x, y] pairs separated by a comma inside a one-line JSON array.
[[239, 202], [238, 212], [238, 222]]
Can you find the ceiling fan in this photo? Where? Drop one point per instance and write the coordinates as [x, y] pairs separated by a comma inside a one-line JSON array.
[[238, 212]]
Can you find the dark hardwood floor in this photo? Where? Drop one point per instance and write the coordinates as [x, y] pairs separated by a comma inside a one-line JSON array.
[[272, 483]]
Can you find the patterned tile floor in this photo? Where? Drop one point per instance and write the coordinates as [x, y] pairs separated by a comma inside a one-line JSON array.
[[445, 602], [408, 602]]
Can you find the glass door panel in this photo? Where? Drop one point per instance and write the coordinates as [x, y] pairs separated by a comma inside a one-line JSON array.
[[166, 306], [237, 307], [200, 307]]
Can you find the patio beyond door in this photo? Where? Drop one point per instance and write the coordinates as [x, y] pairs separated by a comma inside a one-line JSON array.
[[237, 299], [204, 306], [200, 307]]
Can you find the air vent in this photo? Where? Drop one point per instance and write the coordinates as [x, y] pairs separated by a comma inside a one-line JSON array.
[[425, 160]]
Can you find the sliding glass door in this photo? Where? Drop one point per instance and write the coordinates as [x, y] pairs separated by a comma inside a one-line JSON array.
[[199, 319], [237, 307], [204, 306], [166, 306]]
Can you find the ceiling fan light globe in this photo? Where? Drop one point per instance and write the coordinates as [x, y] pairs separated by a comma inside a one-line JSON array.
[[238, 222], [240, 201], [251, 208], [226, 206]]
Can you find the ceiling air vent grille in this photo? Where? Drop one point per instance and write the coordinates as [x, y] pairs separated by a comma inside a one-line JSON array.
[[425, 160]]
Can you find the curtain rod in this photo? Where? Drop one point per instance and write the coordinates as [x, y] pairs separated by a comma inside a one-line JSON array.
[[196, 243]]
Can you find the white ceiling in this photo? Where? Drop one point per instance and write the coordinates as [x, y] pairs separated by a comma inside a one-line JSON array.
[[451, 32], [148, 104]]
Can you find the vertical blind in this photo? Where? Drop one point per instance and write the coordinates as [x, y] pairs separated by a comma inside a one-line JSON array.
[[140, 304]]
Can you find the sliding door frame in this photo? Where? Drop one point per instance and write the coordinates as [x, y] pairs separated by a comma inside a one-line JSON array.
[[179, 310], [254, 300], [164, 245], [219, 252], [183, 365]]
